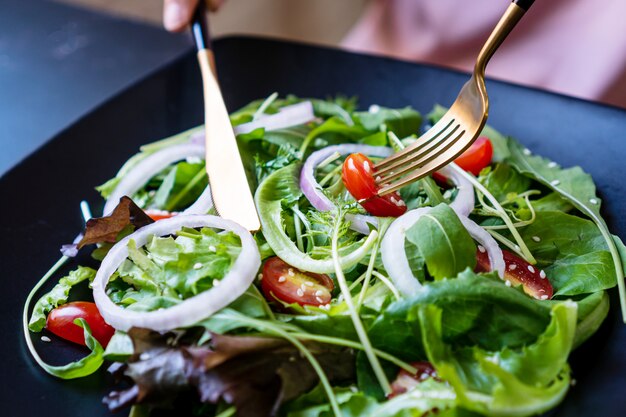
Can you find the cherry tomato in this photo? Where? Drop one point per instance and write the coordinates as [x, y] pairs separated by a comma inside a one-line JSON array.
[[474, 159], [358, 177], [519, 272], [406, 381], [61, 322], [290, 285], [159, 214]]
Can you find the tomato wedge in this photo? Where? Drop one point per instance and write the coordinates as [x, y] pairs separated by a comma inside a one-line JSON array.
[[280, 281], [519, 272], [406, 381], [61, 322], [358, 177], [474, 159], [159, 214]]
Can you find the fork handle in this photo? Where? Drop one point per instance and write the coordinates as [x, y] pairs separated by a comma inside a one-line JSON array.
[[508, 21]]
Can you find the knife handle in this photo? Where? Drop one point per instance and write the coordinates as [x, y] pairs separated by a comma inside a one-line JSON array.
[[202, 36]]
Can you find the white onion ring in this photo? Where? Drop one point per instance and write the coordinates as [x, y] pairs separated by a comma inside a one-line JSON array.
[[151, 165], [236, 282], [313, 191], [397, 264], [464, 201], [293, 115]]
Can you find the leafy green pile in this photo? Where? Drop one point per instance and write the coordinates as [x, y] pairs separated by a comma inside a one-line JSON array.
[[496, 351]]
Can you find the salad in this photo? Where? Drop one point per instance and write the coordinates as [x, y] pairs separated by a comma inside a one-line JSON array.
[[462, 294]]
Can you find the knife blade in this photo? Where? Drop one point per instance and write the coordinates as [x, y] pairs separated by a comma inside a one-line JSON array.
[[230, 190]]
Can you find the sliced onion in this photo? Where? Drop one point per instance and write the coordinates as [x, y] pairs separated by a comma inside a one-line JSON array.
[[148, 167], [236, 282], [464, 201], [394, 254], [294, 115], [313, 191]]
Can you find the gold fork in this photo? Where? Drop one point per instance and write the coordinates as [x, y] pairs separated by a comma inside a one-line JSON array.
[[461, 124]]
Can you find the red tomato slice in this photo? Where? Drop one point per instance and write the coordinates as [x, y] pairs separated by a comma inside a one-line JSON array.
[[473, 160], [159, 214], [290, 285], [358, 177], [406, 381], [61, 322], [519, 272]]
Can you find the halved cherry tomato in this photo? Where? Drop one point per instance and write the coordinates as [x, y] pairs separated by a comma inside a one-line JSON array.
[[290, 285], [474, 159], [159, 214], [519, 272], [61, 322], [406, 381], [358, 177]]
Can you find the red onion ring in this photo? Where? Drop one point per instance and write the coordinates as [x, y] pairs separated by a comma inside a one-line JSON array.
[[293, 115], [236, 282], [151, 165], [397, 264]]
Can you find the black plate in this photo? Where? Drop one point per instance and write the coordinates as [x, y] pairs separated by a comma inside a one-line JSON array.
[[40, 197]]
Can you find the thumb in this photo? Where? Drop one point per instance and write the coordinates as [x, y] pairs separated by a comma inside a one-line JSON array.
[[177, 14]]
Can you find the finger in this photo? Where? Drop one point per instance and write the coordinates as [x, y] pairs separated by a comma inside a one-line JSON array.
[[177, 14]]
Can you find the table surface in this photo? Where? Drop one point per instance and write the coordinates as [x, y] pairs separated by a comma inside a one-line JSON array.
[[58, 63]]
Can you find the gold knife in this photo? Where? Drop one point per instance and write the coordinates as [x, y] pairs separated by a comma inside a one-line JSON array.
[[230, 190]]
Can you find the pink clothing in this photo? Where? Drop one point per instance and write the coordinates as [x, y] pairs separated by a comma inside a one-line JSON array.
[[575, 47]]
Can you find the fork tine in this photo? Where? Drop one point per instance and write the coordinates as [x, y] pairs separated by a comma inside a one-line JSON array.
[[431, 134], [415, 161], [428, 164], [424, 144]]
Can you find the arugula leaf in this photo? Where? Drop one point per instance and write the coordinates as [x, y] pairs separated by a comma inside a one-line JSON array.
[[403, 122], [507, 382], [58, 295], [477, 309], [577, 187], [315, 404], [573, 252], [503, 180], [443, 242]]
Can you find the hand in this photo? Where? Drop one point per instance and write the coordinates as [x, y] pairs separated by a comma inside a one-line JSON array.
[[177, 13]]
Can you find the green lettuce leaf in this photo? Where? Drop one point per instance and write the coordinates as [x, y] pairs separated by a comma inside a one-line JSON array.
[[443, 242], [509, 382], [403, 122], [57, 296]]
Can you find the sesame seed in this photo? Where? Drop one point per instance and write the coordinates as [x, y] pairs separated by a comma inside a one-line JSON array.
[[308, 283], [531, 269], [552, 165], [536, 238], [300, 292], [512, 267], [216, 282], [527, 151], [555, 182], [593, 201], [302, 287], [517, 247], [212, 248], [319, 293], [46, 339], [326, 306], [507, 283], [290, 272], [482, 249], [374, 108], [401, 203], [282, 279], [378, 178], [573, 382], [393, 200], [319, 300], [260, 277], [542, 274], [544, 297], [424, 376], [197, 265]]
